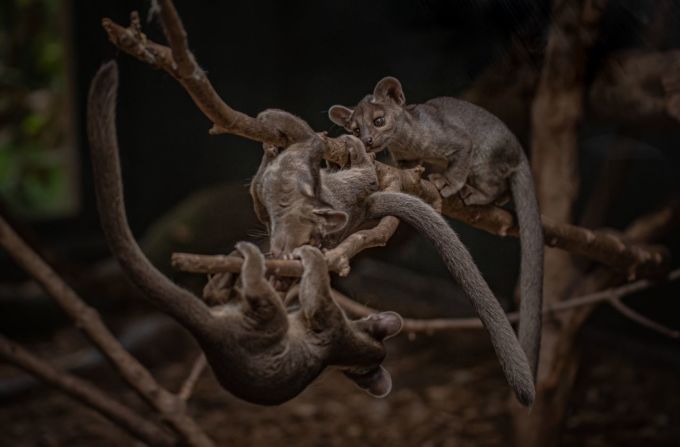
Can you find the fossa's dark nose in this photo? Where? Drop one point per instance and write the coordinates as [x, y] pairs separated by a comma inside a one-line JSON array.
[[368, 141]]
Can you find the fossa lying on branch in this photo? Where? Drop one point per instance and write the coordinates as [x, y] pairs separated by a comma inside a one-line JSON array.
[[259, 350], [300, 203], [482, 159]]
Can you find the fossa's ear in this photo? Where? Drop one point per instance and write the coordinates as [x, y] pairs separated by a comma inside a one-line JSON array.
[[332, 220], [340, 115], [389, 88]]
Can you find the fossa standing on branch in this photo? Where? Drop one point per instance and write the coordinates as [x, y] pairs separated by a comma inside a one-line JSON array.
[[482, 160]]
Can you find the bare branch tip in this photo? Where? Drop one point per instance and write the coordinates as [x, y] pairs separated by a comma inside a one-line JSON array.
[[216, 130], [503, 231]]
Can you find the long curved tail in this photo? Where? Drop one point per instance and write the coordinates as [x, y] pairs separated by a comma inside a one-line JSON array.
[[101, 129], [531, 269], [462, 267]]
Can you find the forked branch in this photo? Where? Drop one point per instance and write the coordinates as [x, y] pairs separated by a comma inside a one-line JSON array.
[[86, 393], [87, 319]]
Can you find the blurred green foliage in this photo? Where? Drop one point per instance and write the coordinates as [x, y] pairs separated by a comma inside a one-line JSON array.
[[36, 168]]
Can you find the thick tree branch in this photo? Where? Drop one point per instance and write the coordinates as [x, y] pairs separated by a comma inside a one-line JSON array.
[[88, 320], [635, 259], [85, 393]]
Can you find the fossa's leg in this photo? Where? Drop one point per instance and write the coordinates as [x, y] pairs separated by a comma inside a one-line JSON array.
[[319, 308], [264, 306]]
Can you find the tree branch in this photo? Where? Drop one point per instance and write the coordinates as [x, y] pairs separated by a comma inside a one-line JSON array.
[[88, 320], [85, 393], [218, 264], [180, 63], [193, 263], [612, 296], [637, 260], [196, 369]]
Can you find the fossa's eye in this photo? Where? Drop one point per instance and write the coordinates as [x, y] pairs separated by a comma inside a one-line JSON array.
[[379, 121], [356, 132]]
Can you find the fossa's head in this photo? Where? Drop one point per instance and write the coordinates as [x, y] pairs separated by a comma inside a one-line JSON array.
[[376, 118], [290, 192]]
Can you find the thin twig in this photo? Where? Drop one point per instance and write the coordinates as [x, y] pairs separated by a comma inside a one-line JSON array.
[[88, 320], [612, 295], [196, 369], [86, 393]]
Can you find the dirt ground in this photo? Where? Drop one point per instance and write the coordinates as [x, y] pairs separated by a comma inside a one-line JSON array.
[[448, 391]]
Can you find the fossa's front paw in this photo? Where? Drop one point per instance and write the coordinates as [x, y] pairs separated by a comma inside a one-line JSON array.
[[448, 191], [466, 192], [445, 188], [472, 196], [306, 252], [438, 180]]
